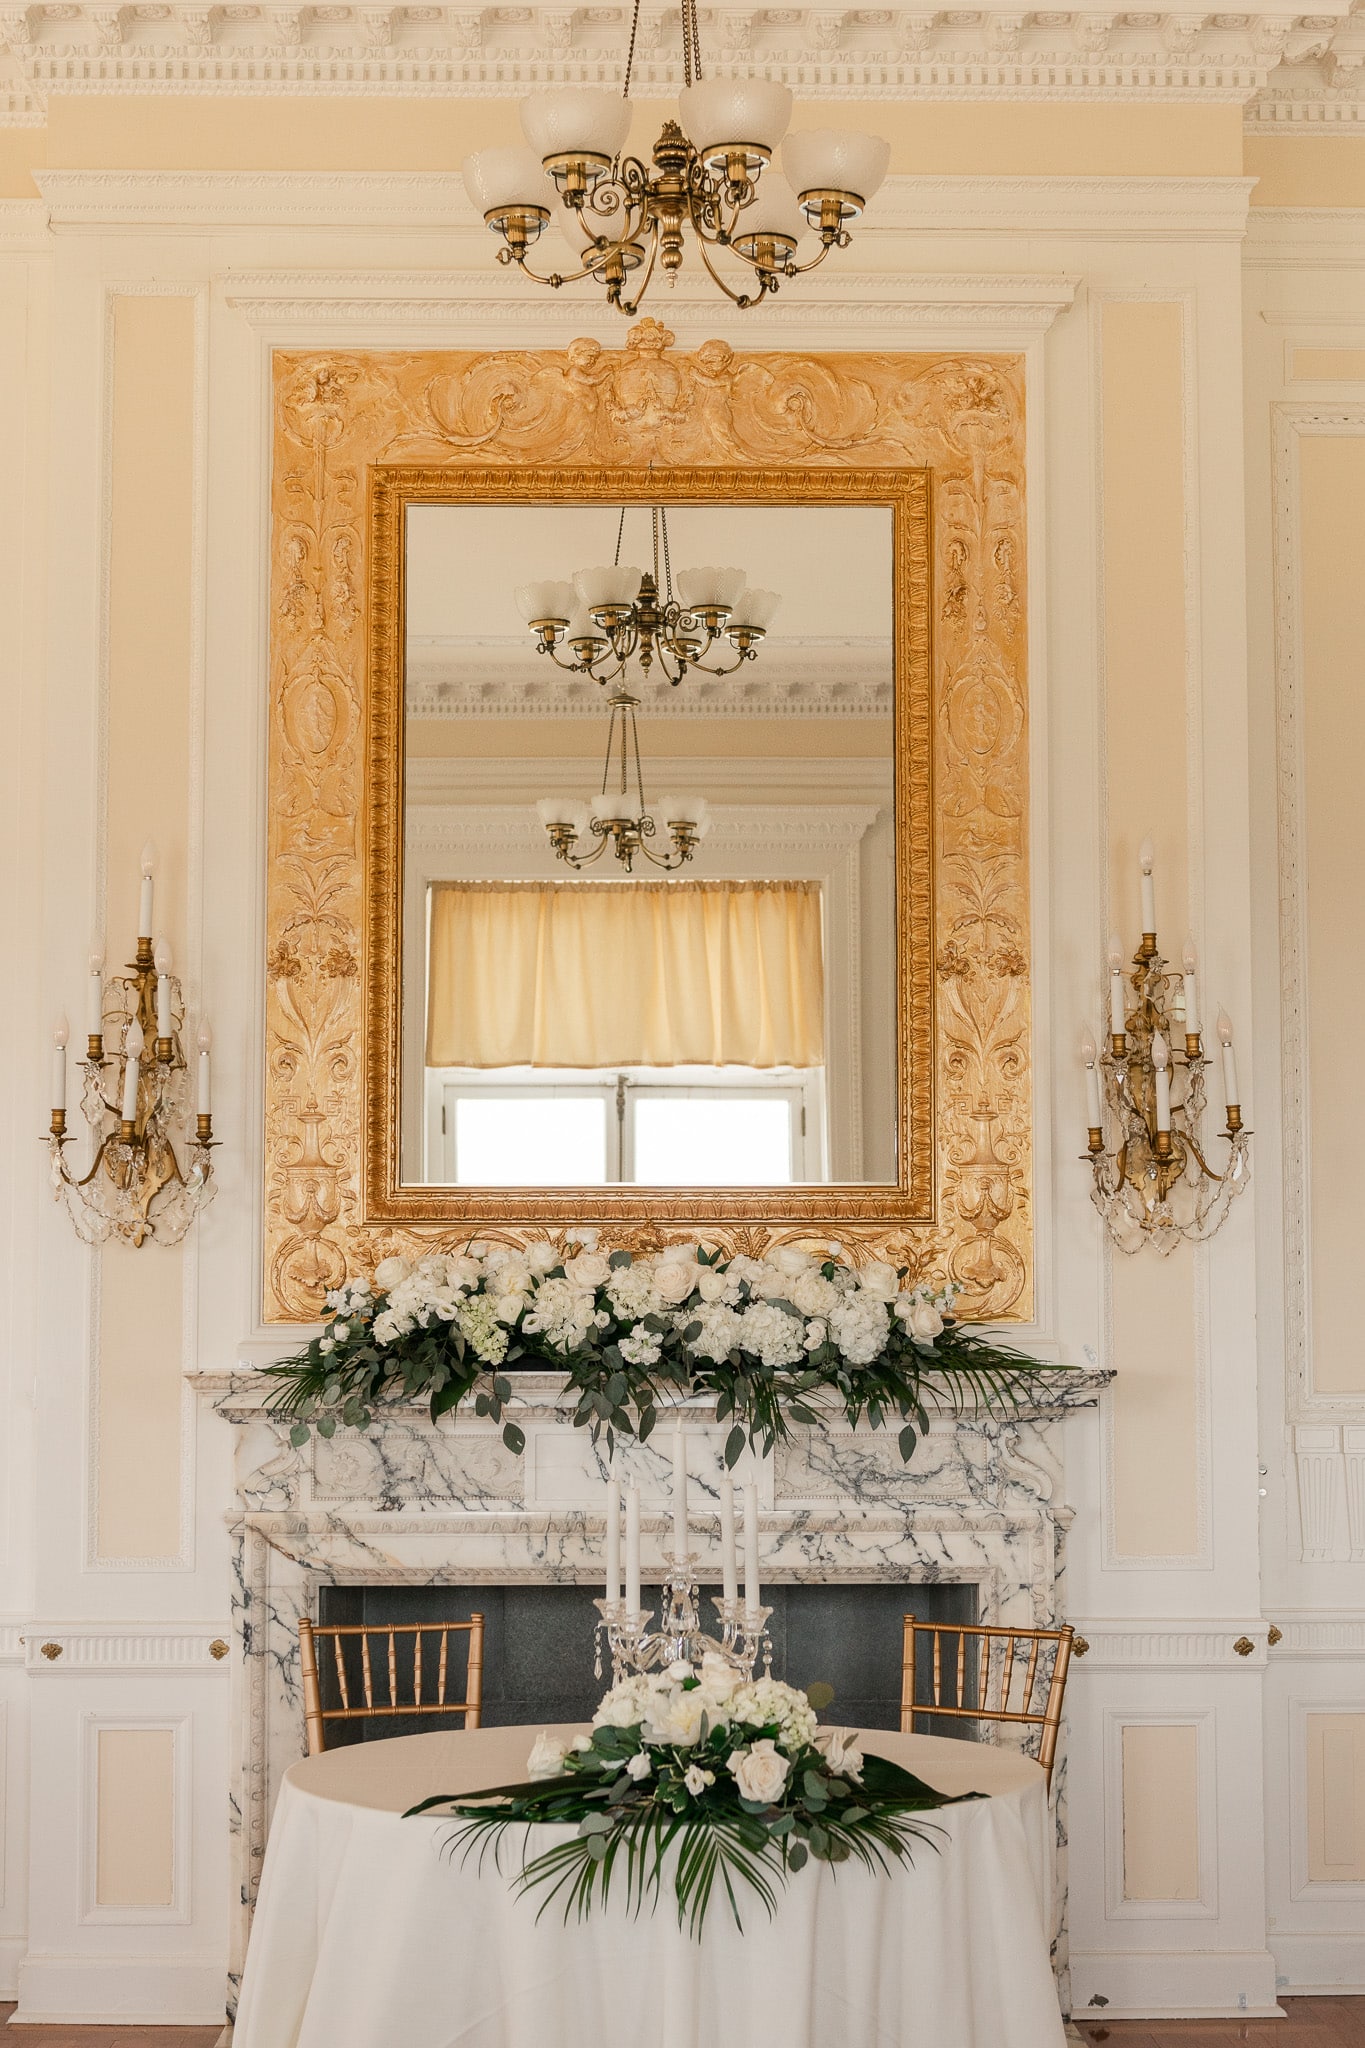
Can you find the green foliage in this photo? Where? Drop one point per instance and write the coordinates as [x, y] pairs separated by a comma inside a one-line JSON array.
[[641, 1833]]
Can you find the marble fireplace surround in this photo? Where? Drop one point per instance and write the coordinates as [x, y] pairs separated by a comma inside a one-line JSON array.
[[414, 1503]]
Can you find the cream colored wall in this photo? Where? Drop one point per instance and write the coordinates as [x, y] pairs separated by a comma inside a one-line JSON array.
[[1307, 169], [135, 1839], [1000, 138], [1336, 1798], [151, 485], [1152, 1301], [1160, 1811], [1332, 519]]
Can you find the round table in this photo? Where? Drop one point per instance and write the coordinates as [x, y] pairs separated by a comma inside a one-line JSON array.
[[367, 1936]]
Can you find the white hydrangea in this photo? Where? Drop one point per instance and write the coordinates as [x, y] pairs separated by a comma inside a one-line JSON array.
[[631, 1292], [641, 1347], [626, 1705], [812, 1293], [477, 1323], [717, 1328], [766, 1701], [763, 1279], [859, 1326], [565, 1314], [776, 1337]]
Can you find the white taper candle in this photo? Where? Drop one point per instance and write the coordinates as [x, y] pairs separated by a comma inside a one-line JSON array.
[[144, 907], [752, 1599], [613, 1540], [1161, 1058], [1146, 861], [633, 1551], [729, 1562], [679, 1493], [1230, 1095], [132, 1055], [1189, 960], [1117, 1006], [59, 1037], [94, 1010], [205, 1101], [1092, 1080], [162, 956]]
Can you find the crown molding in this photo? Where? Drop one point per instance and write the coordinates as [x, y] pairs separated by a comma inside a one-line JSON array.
[[434, 780], [501, 678], [23, 227], [184, 46]]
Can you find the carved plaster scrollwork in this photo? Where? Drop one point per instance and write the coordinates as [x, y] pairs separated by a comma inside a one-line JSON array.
[[958, 421]]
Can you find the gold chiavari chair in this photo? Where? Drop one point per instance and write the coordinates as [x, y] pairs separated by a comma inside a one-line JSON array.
[[990, 1674], [388, 1703]]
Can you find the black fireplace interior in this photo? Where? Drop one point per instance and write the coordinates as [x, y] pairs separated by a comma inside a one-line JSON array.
[[539, 1648]]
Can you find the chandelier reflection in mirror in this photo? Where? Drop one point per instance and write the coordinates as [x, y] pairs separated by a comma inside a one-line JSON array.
[[625, 219], [1153, 1183], [136, 1091], [619, 817], [609, 616]]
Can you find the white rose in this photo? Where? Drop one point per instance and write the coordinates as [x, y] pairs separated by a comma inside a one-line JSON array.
[[880, 1278], [583, 1235], [717, 1676], [839, 1747], [921, 1319], [675, 1720], [760, 1772], [547, 1757], [463, 1271], [589, 1269], [792, 1260], [581, 1744], [714, 1286], [674, 1282], [680, 1669], [326, 1345], [389, 1272], [697, 1780], [542, 1258], [508, 1307], [638, 1766]]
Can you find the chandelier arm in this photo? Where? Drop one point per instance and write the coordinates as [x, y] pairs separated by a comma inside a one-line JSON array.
[[706, 669], [630, 307], [740, 299], [800, 269]]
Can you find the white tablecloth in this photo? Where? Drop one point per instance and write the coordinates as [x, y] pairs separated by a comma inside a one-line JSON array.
[[366, 1936]]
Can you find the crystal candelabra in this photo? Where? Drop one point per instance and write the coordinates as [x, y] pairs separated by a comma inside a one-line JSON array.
[[136, 1091], [1154, 1182], [633, 1645]]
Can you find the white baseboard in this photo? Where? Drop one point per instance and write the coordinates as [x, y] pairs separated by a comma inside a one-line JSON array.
[[1174, 1984], [133, 1991], [1308, 1963], [12, 1950]]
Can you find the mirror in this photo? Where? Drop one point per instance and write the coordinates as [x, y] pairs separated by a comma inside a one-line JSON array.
[[649, 911]]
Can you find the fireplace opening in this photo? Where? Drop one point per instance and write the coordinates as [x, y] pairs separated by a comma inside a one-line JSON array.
[[539, 1647]]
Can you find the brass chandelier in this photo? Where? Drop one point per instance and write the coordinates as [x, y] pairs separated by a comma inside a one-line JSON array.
[[609, 616], [618, 817], [708, 174]]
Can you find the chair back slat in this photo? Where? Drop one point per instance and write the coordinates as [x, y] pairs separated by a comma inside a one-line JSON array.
[[978, 1702], [317, 1716]]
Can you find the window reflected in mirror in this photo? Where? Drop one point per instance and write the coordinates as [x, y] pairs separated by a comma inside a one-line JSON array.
[[649, 846]]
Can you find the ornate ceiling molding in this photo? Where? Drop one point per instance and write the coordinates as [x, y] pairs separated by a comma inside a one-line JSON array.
[[182, 46]]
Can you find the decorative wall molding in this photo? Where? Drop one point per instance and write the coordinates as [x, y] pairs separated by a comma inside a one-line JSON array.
[[1329, 1459], [1290, 421], [88, 1646], [1304, 238], [1121, 1643], [1319, 1633], [503, 678], [1117, 1905], [178, 1912]]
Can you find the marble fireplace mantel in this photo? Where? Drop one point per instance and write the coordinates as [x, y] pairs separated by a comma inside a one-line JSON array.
[[412, 1502]]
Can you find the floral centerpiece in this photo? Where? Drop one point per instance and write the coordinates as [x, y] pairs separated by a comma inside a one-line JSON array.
[[736, 1776], [763, 1337]]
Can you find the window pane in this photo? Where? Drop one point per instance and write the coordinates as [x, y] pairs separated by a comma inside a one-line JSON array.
[[509, 1141], [723, 1141]]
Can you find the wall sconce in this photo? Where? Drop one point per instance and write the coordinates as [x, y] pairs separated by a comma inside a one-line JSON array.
[[1153, 1183], [134, 1096]]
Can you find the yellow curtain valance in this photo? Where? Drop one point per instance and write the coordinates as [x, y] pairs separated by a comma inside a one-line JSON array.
[[629, 974]]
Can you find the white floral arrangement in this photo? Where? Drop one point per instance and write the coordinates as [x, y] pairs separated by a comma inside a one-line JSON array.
[[735, 1774], [763, 1336]]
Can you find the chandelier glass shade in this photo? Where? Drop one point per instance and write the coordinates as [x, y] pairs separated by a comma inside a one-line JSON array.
[[609, 616], [708, 178], [666, 834]]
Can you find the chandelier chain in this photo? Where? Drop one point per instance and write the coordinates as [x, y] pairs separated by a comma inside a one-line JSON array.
[[630, 51]]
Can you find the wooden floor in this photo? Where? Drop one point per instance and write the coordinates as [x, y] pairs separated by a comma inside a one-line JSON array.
[[113, 2037], [1309, 2023]]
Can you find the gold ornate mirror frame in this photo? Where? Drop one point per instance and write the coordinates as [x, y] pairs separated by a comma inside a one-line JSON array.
[[358, 436]]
